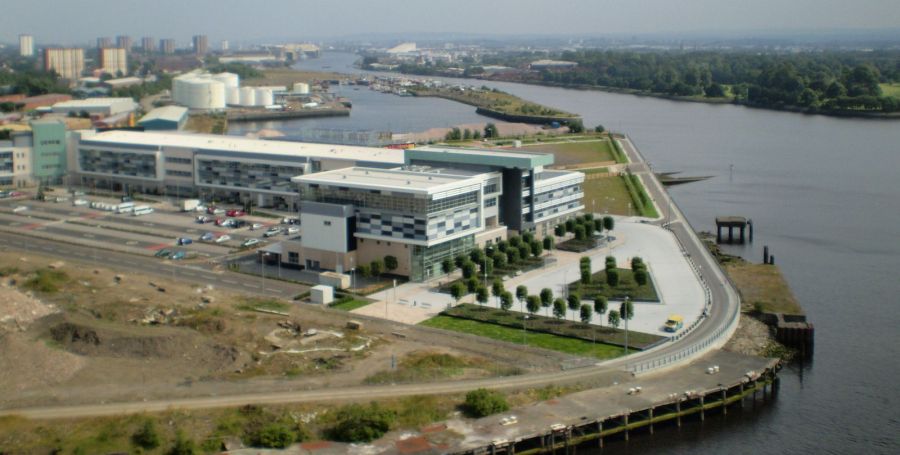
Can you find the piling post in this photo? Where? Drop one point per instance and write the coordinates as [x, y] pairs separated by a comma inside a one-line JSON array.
[[702, 411], [742, 395], [718, 233], [678, 412], [742, 235], [600, 433], [765, 254], [626, 426], [724, 403], [730, 234], [750, 224], [651, 420], [772, 259]]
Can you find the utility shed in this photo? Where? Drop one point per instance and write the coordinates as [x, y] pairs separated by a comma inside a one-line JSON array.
[[165, 118], [321, 294]]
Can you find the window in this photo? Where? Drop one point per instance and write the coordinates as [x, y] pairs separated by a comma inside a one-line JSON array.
[[327, 223], [293, 257], [490, 202], [176, 160], [178, 173], [492, 188]]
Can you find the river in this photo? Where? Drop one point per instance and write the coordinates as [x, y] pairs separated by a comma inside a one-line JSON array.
[[824, 195]]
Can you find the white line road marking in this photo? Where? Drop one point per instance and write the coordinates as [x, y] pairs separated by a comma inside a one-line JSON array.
[[228, 281], [249, 285]]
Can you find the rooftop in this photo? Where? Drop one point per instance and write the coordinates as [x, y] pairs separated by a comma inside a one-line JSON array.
[[172, 113], [247, 145], [92, 102], [387, 179], [486, 157]]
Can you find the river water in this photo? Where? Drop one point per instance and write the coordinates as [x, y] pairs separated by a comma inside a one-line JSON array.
[[824, 196]]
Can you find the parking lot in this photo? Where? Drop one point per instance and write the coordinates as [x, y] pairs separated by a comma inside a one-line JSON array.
[[94, 221]]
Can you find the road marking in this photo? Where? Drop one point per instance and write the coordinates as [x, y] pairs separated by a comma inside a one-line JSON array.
[[228, 281], [131, 242], [249, 285], [90, 236]]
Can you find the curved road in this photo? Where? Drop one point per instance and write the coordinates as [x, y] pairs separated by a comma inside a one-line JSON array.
[[712, 333]]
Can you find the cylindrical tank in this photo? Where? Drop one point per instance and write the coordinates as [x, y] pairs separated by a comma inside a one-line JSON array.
[[229, 79], [248, 96], [232, 96], [264, 96], [216, 95], [301, 88]]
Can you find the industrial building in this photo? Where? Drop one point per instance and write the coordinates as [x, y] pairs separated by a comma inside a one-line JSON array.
[[165, 118], [68, 62], [97, 107], [114, 60], [26, 46]]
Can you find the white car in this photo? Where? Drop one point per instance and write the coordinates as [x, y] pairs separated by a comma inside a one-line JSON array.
[[250, 242], [255, 226], [223, 238], [20, 208], [273, 231], [291, 230], [80, 202]]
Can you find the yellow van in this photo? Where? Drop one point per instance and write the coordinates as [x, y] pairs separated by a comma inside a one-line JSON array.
[[674, 323]]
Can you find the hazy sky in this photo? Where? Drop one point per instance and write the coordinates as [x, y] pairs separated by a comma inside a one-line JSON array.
[[81, 21]]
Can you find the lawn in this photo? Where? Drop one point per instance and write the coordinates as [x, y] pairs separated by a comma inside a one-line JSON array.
[[553, 326], [639, 196], [892, 89], [350, 305], [570, 153], [568, 345], [763, 288], [607, 195], [627, 287]]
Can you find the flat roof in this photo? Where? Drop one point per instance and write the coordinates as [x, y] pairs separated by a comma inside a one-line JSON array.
[[387, 179], [92, 102], [171, 113], [486, 157], [213, 142]]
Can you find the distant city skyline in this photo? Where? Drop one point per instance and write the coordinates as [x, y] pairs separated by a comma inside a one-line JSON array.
[[78, 23]]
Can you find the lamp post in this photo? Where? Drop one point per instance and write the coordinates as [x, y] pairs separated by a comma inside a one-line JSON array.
[[262, 267], [627, 313], [524, 329]]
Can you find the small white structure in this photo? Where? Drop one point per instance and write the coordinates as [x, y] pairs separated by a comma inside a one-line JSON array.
[[301, 88], [321, 294], [335, 280]]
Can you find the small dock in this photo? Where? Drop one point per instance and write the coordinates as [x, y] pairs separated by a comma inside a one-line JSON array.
[[732, 223]]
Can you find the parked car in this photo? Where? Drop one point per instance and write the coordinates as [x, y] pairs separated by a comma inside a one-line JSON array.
[[217, 211], [177, 255], [291, 221], [235, 212], [163, 253], [236, 224], [185, 241], [4, 194], [20, 208], [291, 230], [211, 209], [250, 242], [80, 202], [225, 222], [255, 226], [202, 219], [16, 194], [273, 231], [60, 199], [223, 238], [208, 237]]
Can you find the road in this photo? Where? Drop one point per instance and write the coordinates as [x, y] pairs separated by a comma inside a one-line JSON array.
[[721, 321]]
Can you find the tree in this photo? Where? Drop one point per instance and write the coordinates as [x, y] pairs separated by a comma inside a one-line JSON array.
[[459, 260], [574, 301], [490, 131], [483, 402], [613, 318], [586, 313], [472, 284], [536, 248], [559, 230], [358, 423], [598, 225], [576, 126], [467, 134], [559, 308], [600, 304], [599, 129], [714, 91], [512, 255], [585, 276], [546, 297], [637, 263], [481, 294], [626, 309], [499, 259], [146, 437], [364, 270], [476, 135], [515, 241], [533, 304], [506, 300], [183, 445], [447, 266], [640, 277], [468, 269], [612, 277], [457, 291], [497, 287], [476, 255], [548, 243], [377, 267], [391, 263], [570, 225], [580, 233], [521, 293], [608, 223]]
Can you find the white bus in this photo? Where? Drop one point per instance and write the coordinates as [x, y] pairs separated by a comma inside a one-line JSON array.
[[142, 210], [125, 207]]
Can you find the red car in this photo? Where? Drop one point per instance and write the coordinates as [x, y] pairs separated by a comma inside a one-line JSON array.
[[235, 212]]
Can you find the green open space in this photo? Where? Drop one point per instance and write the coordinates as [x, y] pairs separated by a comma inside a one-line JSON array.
[[494, 100], [569, 153], [639, 196], [553, 326], [350, 304], [559, 343], [763, 288], [627, 287], [607, 195], [891, 89]]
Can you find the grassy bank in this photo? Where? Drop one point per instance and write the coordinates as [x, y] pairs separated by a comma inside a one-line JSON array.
[[568, 345], [580, 152], [495, 100], [763, 288]]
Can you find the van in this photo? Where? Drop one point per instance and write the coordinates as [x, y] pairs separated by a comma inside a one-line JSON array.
[[142, 210], [674, 323]]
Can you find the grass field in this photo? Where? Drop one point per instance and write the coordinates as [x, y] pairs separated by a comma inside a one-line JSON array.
[[763, 287], [627, 287], [607, 195], [570, 153], [350, 305], [542, 340], [892, 89]]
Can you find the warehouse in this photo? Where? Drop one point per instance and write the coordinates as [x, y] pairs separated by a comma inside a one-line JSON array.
[[96, 107], [165, 118]]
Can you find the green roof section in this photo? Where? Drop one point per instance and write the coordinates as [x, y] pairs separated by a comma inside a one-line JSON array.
[[485, 157]]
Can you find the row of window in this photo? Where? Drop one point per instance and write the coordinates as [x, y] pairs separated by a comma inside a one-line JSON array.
[[175, 173], [177, 160]]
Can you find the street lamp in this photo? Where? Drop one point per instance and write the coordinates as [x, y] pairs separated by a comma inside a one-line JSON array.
[[524, 329], [627, 313]]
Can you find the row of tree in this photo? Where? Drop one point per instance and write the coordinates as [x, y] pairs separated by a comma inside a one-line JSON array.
[[584, 226]]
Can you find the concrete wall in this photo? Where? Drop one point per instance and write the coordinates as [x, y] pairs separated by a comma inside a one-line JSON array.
[[370, 250]]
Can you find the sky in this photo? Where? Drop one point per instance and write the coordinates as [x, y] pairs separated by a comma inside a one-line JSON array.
[[82, 21]]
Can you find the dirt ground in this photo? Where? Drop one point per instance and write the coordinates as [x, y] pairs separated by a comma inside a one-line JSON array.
[[79, 334]]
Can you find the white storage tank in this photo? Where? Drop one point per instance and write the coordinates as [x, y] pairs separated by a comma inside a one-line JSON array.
[[247, 96], [264, 96], [229, 79], [232, 96], [301, 88]]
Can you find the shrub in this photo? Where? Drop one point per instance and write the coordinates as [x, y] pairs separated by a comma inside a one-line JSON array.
[[612, 277], [468, 269], [580, 232], [376, 267], [640, 277], [472, 284], [585, 276], [482, 402], [391, 263], [183, 445], [548, 243], [570, 225], [273, 435], [358, 423], [608, 223], [146, 437], [559, 230]]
